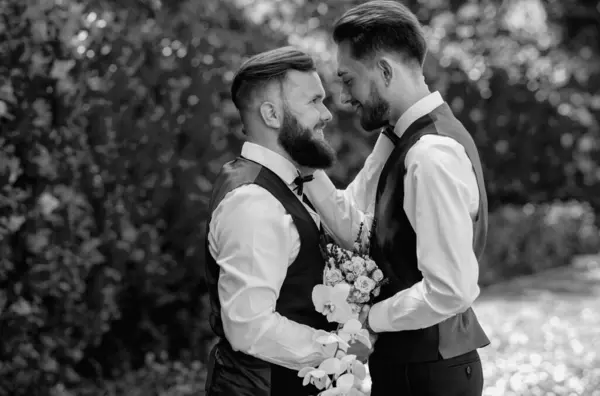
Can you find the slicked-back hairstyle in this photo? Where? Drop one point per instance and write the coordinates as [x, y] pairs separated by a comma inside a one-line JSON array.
[[264, 68], [381, 25]]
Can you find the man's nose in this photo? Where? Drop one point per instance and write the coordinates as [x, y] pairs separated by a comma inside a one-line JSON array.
[[345, 97], [326, 116]]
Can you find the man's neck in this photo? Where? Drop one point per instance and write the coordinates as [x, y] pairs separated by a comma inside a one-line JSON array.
[[402, 106]]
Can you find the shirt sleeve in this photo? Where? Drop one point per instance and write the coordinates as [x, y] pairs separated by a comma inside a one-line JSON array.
[[361, 191], [440, 201], [250, 239], [343, 211]]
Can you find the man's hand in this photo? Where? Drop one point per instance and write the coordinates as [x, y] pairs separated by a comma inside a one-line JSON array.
[[361, 351], [363, 316]]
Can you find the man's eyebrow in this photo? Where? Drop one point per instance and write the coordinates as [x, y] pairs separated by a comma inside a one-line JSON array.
[[318, 96], [341, 73]]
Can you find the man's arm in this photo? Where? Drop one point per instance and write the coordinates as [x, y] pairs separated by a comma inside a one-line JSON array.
[[361, 191], [440, 197], [252, 243], [342, 211]]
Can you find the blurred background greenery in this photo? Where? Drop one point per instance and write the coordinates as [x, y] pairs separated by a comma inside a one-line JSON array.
[[115, 117]]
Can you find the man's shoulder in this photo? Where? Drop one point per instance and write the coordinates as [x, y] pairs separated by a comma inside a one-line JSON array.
[[435, 150], [247, 198], [248, 204]]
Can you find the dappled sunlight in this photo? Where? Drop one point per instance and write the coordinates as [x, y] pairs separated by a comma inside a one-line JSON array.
[[544, 338], [530, 18], [541, 345], [517, 36]]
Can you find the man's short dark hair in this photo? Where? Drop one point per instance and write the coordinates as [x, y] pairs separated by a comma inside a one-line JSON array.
[[381, 26], [264, 68]]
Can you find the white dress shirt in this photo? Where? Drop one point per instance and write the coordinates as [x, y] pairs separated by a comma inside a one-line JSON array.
[[254, 240], [441, 200]]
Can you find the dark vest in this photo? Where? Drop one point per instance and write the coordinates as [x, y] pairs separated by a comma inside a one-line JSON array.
[[236, 373], [394, 249]]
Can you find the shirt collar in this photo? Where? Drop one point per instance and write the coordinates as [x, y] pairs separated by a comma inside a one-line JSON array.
[[418, 110], [276, 163]]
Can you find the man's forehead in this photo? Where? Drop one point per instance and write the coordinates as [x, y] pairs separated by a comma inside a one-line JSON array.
[[344, 62], [304, 83]]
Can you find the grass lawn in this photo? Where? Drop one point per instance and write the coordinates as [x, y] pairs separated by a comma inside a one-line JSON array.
[[545, 333]]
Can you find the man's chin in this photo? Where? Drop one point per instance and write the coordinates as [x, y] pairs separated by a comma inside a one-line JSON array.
[[371, 126], [323, 160], [322, 163]]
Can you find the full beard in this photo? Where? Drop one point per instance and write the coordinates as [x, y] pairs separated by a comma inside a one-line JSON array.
[[373, 115], [299, 143]]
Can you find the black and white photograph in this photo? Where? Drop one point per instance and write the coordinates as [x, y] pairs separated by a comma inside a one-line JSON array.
[[299, 198]]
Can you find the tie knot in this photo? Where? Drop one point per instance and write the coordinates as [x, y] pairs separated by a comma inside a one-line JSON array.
[[299, 182]]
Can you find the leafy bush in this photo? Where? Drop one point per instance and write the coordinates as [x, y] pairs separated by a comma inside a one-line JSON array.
[[527, 239], [51, 305], [158, 377], [101, 213]]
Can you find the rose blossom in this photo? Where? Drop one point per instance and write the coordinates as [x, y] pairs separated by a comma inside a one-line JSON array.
[[333, 276], [347, 266], [370, 265], [364, 284], [358, 266], [377, 275]]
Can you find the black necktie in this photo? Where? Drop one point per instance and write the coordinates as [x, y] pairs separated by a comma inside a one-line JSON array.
[[308, 203], [299, 182], [389, 132]]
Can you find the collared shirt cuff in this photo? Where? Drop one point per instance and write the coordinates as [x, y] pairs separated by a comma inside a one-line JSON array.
[[379, 318], [327, 350], [321, 187]]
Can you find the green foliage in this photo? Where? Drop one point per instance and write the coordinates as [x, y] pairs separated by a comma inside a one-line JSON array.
[[529, 239]]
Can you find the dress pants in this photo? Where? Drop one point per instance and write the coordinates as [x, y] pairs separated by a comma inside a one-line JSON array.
[[458, 376], [234, 374]]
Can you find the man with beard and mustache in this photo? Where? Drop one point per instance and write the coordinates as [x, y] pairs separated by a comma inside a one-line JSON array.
[[264, 238], [429, 208]]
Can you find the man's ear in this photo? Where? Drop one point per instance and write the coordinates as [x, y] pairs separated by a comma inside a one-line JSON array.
[[270, 114], [385, 68]]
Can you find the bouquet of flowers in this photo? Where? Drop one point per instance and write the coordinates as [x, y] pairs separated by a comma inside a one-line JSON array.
[[351, 280]]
